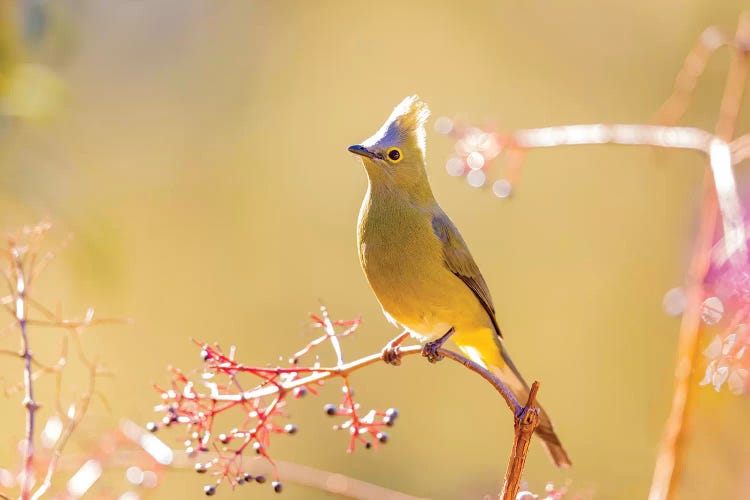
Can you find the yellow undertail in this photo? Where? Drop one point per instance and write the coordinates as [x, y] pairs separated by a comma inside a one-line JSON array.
[[487, 350]]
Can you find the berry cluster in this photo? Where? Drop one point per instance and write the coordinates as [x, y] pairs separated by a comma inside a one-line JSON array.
[[256, 398]]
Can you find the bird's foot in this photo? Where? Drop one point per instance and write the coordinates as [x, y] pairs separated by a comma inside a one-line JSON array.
[[431, 350], [391, 353]]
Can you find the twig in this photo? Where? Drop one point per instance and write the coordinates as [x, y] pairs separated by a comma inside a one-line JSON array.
[[345, 369], [338, 484], [23, 264], [184, 404], [73, 421], [525, 423], [668, 470], [323, 480], [740, 149], [495, 382], [686, 81], [28, 400], [614, 133]]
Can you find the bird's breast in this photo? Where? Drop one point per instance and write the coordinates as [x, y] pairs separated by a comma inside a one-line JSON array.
[[404, 264]]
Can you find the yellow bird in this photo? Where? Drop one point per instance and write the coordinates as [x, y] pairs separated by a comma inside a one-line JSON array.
[[418, 264]]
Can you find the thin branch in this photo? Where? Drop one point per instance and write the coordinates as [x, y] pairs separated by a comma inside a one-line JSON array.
[[338, 484], [24, 262], [614, 133], [740, 149], [345, 369], [80, 411], [68, 324], [332, 337], [686, 81], [183, 404], [669, 463], [500, 387], [28, 400], [525, 423], [323, 480]]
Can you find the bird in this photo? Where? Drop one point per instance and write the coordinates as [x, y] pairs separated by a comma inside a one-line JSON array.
[[418, 265]]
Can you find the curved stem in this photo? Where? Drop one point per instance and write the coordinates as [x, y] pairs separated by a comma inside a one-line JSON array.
[[345, 369]]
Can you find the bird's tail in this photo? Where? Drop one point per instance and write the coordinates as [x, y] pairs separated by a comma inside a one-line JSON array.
[[496, 359]]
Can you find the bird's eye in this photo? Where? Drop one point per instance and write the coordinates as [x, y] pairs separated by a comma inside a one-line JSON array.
[[394, 154]]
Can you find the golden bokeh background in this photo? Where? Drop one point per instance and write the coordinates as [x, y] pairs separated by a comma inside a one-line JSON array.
[[196, 151]]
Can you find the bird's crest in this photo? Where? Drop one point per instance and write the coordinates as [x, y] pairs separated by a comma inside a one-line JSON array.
[[407, 119], [410, 116]]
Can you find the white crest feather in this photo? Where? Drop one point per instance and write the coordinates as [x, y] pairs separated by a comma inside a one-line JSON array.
[[407, 118]]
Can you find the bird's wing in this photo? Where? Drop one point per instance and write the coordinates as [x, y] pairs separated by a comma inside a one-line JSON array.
[[459, 261]]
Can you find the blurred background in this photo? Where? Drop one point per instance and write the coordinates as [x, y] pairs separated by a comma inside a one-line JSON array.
[[196, 151]]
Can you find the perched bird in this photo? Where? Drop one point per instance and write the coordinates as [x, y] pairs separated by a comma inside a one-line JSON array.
[[418, 264]]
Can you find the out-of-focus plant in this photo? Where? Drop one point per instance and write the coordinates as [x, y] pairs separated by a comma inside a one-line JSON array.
[[29, 88], [551, 492], [718, 279], [42, 446]]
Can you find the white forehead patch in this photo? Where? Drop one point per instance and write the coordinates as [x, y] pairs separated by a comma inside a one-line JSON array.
[[407, 118]]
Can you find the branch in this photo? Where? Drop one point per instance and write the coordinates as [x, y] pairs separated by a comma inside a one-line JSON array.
[[259, 408], [686, 81], [323, 480], [668, 470], [73, 421], [321, 373], [22, 257], [28, 401], [525, 423], [740, 149]]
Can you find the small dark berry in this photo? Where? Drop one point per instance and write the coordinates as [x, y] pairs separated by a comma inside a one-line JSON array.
[[204, 354], [152, 427], [209, 490], [391, 412], [260, 479], [201, 468], [257, 447], [329, 409], [223, 438], [388, 421], [290, 429], [300, 392], [277, 486], [247, 476], [368, 445], [382, 437], [240, 480]]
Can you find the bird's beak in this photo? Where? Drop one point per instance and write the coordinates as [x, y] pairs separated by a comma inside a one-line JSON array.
[[360, 150]]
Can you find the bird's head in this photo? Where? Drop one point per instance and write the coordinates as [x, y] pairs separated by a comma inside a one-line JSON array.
[[395, 154]]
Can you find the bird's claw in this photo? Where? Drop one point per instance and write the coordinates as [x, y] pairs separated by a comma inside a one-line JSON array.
[[431, 351], [391, 354]]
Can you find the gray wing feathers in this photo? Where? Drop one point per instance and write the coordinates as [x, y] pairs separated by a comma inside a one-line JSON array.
[[460, 262]]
